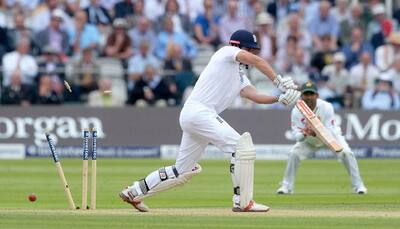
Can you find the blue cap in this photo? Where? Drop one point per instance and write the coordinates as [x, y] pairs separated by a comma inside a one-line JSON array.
[[244, 38]]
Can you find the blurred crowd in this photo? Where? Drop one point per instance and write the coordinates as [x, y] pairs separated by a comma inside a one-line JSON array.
[[150, 52]]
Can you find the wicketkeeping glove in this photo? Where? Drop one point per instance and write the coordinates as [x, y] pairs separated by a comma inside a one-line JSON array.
[[284, 83], [289, 97]]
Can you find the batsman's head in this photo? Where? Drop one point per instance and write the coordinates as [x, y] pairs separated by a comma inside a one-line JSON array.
[[309, 93], [244, 40]]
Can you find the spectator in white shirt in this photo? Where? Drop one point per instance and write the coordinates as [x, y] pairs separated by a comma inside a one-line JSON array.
[[384, 55], [394, 72], [362, 77], [338, 78], [382, 96], [20, 61], [191, 8], [41, 16], [266, 37], [154, 9]]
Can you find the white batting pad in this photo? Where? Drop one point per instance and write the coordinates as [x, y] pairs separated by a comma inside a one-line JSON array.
[[244, 168], [170, 183]]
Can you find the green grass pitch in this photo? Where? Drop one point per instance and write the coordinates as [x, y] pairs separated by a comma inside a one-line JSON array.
[[322, 199]]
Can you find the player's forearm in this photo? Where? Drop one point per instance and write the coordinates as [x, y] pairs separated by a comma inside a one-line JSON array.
[[266, 69], [263, 99]]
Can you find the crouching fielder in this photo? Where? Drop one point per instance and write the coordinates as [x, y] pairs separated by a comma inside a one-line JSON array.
[[307, 142], [222, 80]]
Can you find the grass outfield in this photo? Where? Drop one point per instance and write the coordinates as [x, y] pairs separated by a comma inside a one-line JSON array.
[[323, 197]]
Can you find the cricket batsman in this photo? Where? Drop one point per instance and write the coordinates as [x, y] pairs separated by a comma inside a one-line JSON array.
[[308, 143], [222, 80]]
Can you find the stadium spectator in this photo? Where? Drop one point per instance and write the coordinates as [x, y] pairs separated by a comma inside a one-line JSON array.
[[18, 32], [50, 63], [175, 60], [53, 35], [138, 62], [294, 28], [4, 14], [118, 43], [191, 8], [179, 70], [247, 10], [153, 9], [181, 22], [85, 73], [362, 77], [41, 16], [97, 14], [323, 56], [338, 79], [357, 45], [27, 5], [324, 23], [382, 96], [84, 35], [206, 26], [309, 9], [152, 89], [279, 9], [354, 20], [142, 32], [285, 56], [20, 61], [103, 97], [385, 54], [219, 7], [17, 93], [341, 10], [299, 68], [169, 36], [380, 27], [230, 22], [266, 37], [138, 12], [123, 9], [394, 72], [47, 93]]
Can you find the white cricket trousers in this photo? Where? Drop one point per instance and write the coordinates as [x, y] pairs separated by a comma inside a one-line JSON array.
[[201, 126], [303, 150]]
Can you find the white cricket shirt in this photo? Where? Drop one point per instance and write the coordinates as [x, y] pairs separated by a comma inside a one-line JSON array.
[[221, 81], [324, 112]]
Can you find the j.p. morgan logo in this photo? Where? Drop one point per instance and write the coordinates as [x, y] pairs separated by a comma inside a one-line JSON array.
[[60, 127]]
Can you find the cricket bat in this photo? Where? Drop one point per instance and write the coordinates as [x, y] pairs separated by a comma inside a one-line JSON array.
[[322, 133]]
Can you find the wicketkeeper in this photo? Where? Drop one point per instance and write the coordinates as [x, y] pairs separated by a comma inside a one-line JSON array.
[[220, 83], [308, 143]]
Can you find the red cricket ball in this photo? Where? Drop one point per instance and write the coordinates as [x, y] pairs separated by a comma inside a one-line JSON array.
[[32, 197]]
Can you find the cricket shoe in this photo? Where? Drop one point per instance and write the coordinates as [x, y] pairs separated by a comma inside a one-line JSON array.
[[361, 190], [251, 207], [128, 197], [284, 190]]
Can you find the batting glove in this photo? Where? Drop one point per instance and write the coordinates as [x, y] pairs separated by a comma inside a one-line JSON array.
[[289, 98], [284, 83]]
